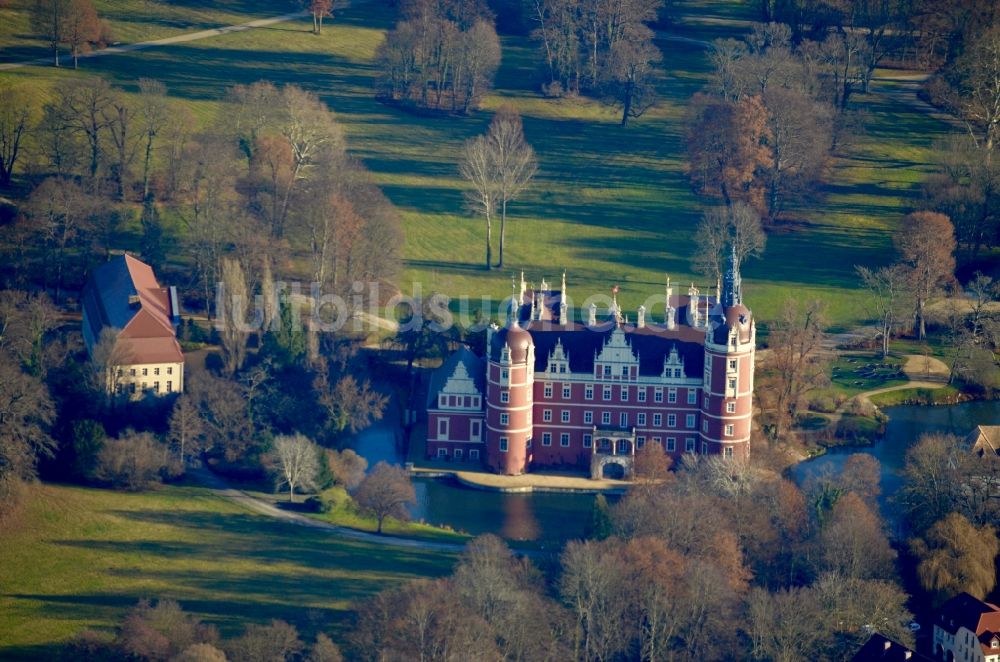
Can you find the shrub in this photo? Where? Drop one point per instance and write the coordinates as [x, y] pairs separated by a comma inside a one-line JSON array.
[[134, 462], [317, 504]]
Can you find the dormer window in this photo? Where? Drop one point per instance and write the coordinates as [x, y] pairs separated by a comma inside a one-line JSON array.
[[505, 354]]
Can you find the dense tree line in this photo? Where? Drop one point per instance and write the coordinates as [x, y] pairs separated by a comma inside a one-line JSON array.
[[696, 565], [440, 55], [599, 47]]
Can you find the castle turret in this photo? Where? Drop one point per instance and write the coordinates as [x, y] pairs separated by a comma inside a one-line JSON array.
[[729, 371], [510, 381]]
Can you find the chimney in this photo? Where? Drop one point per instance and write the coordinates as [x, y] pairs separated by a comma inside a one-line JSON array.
[[640, 320], [592, 315], [887, 645], [907, 655]]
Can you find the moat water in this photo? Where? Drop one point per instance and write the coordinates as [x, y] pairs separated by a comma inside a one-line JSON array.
[[556, 518]]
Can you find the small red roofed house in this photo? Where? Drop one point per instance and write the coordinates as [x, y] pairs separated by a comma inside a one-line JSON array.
[[124, 296], [967, 628]]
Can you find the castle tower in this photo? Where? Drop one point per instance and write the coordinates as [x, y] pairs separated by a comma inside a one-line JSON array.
[[729, 370], [510, 382]]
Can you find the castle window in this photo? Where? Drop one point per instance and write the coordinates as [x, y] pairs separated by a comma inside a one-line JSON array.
[[547, 391], [671, 420], [588, 392], [503, 444], [170, 370], [730, 407], [672, 396], [546, 439], [504, 419], [677, 373], [476, 403], [732, 364], [474, 454], [704, 448], [640, 442], [624, 393], [504, 396], [607, 393], [475, 431], [504, 376], [732, 341], [547, 415], [145, 371], [704, 426], [588, 417], [689, 445], [156, 387], [658, 395], [658, 420], [442, 452], [732, 383], [729, 430], [588, 441], [567, 392], [458, 453], [727, 451], [623, 419], [641, 394], [671, 444], [605, 418], [690, 421], [705, 401], [131, 372], [505, 355], [640, 418], [692, 396], [170, 386], [156, 371], [624, 371], [607, 371], [564, 440], [562, 367], [443, 428], [565, 415]]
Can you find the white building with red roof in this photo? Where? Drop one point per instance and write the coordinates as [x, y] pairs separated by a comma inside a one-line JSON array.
[[967, 629], [123, 295]]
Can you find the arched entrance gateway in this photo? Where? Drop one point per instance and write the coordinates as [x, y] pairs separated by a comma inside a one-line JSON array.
[[613, 454]]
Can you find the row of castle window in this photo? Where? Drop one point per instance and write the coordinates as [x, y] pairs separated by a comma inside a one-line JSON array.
[[458, 453], [607, 393], [588, 442], [467, 401]]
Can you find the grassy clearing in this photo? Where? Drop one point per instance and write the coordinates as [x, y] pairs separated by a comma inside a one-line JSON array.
[[345, 513], [79, 558], [858, 372], [609, 205], [944, 395]]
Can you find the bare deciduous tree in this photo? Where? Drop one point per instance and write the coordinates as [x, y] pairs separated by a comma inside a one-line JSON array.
[[385, 492], [320, 9], [186, 429], [479, 169], [154, 114], [295, 463], [17, 120], [887, 286], [723, 230]]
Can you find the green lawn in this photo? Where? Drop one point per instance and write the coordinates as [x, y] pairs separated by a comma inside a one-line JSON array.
[[854, 372], [79, 558], [609, 205]]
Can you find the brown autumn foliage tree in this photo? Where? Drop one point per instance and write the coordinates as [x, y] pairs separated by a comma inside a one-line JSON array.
[[134, 462], [727, 149], [277, 641], [162, 631], [926, 244], [852, 543], [81, 28], [348, 468], [385, 492], [955, 556], [320, 9], [796, 365]]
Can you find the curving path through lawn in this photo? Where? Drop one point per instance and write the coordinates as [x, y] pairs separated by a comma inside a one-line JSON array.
[[223, 490], [167, 41]]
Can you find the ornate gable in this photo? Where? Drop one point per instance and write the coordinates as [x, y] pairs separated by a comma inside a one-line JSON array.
[[617, 350]]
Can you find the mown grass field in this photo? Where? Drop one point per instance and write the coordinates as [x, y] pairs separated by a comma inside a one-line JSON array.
[[609, 205], [80, 558]]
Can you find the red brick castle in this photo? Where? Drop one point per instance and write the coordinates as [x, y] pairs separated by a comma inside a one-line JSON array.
[[553, 392]]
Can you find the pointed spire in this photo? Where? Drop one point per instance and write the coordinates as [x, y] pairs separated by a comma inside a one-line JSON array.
[[563, 305], [732, 293], [513, 307]]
